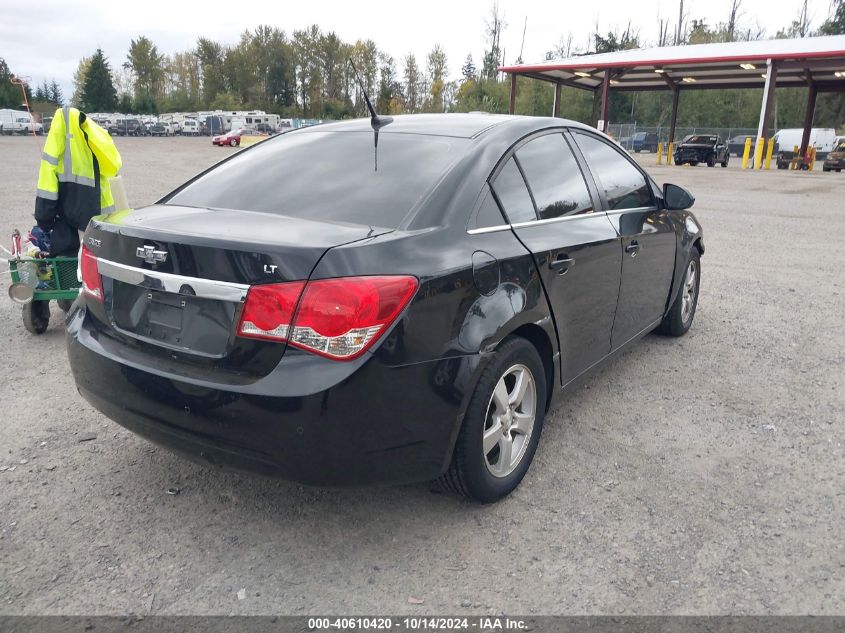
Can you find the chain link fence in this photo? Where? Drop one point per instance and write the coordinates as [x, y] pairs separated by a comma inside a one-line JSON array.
[[624, 132]]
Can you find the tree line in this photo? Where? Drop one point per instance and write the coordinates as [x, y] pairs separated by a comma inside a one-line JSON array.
[[305, 73]]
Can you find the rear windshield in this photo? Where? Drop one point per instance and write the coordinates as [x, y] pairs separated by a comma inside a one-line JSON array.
[[701, 139], [328, 176]]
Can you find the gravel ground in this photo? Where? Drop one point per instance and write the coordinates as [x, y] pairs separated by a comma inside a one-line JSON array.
[[702, 475]]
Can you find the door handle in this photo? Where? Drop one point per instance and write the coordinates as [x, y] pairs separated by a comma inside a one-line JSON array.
[[633, 248], [561, 264]]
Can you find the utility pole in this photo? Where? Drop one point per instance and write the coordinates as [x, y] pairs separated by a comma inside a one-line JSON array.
[[680, 31], [522, 45]]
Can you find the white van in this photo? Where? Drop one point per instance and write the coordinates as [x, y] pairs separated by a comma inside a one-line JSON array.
[[190, 127], [822, 138], [18, 122]]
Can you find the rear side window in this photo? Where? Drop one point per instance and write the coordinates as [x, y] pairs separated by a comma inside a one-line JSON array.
[[554, 177], [513, 195], [488, 214], [624, 185], [328, 176]]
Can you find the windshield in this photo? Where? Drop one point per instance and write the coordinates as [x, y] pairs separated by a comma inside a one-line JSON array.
[[701, 139], [840, 147], [328, 176]]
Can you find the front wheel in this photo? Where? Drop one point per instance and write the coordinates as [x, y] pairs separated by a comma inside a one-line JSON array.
[[678, 320], [724, 163], [711, 160], [502, 425]]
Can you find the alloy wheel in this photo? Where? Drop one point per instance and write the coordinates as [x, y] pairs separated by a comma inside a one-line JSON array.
[[688, 298], [511, 414]]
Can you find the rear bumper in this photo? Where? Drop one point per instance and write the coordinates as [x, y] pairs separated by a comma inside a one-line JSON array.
[[378, 424]]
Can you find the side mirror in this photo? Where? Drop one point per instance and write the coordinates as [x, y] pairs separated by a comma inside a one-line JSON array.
[[677, 198]]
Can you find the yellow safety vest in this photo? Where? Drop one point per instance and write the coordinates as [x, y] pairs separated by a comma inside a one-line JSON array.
[[76, 164]]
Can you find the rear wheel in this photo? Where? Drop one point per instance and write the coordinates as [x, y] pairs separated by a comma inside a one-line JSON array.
[[233, 142], [502, 425], [678, 320], [36, 316], [65, 304], [724, 163], [711, 160]]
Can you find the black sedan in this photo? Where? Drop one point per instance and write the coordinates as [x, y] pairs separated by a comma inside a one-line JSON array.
[[736, 145], [403, 312], [702, 148]]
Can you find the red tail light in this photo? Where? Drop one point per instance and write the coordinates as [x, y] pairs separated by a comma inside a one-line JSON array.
[[337, 318], [92, 282], [268, 311]]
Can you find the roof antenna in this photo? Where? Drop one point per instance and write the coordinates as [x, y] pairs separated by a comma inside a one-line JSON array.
[[376, 121]]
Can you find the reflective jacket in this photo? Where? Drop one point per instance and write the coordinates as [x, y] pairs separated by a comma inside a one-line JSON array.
[[73, 181]]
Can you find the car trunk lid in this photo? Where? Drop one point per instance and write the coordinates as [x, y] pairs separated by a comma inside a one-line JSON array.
[[175, 277]]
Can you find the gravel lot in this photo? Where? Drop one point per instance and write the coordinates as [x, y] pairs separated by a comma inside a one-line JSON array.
[[702, 475]]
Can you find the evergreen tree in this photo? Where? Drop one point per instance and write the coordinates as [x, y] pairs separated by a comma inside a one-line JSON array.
[[98, 93], [79, 81], [54, 94], [42, 91], [125, 104], [10, 94], [468, 70]]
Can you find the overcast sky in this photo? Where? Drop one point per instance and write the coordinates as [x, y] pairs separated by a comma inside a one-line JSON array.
[[46, 41]]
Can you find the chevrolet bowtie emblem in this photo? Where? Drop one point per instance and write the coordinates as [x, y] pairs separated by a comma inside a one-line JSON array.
[[150, 255]]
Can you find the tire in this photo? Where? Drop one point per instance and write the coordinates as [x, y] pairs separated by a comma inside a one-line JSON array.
[[678, 319], [483, 476], [711, 160], [724, 163], [36, 316], [233, 143], [65, 304], [693, 163]]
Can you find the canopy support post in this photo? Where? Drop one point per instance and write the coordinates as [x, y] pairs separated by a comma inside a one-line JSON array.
[[594, 120], [605, 98], [812, 92], [766, 108], [676, 94], [512, 104], [556, 107]]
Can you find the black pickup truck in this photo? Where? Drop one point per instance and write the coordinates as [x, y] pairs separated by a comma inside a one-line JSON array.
[[702, 148]]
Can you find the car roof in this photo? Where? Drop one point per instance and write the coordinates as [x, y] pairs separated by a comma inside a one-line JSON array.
[[461, 125]]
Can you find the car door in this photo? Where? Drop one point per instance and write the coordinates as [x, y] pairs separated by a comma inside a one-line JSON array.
[[556, 215], [647, 237]]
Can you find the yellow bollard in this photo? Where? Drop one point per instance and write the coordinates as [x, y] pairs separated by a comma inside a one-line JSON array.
[[758, 153], [793, 164], [812, 158], [660, 153], [770, 148], [746, 153], [670, 160]]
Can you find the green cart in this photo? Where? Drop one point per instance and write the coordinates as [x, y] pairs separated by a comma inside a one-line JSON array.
[[36, 282]]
